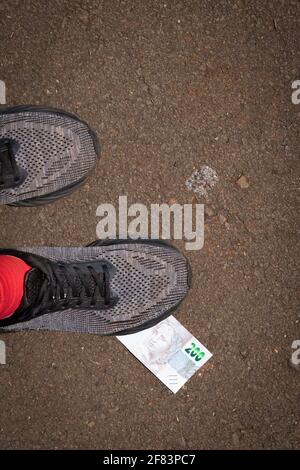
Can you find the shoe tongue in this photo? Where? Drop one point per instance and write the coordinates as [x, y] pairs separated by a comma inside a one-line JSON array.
[[35, 278], [33, 283], [89, 281]]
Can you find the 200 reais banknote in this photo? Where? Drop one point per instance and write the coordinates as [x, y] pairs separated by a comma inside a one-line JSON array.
[[169, 351]]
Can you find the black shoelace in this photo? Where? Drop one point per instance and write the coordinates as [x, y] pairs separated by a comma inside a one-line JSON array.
[[73, 286], [9, 171]]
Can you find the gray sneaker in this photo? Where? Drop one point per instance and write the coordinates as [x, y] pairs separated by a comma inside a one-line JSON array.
[[107, 288], [45, 154]]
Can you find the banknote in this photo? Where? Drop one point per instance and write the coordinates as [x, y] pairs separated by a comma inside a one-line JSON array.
[[169, 351]]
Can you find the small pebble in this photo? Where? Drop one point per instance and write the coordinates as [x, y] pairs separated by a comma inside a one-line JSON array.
[[243, 182], [222, 219], [209, 211]]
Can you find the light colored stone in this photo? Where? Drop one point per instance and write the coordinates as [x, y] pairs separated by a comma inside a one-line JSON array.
[[243, 182]]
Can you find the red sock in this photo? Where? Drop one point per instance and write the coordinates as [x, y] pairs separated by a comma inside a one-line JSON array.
[[12, 281]]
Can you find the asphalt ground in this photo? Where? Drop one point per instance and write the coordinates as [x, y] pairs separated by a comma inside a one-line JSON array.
[[169, 86]]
